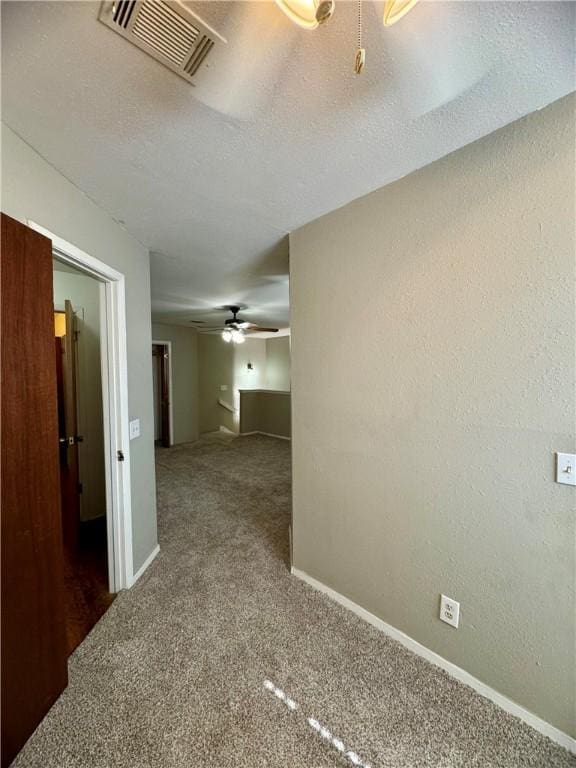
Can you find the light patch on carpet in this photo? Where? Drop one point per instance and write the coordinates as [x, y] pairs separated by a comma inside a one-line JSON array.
[[321, 730], [279, 693]]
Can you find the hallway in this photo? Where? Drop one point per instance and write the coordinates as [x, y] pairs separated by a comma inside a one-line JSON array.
[[173, 675]]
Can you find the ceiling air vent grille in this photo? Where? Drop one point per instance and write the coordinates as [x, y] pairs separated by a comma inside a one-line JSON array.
[[166, 30], [122, 12], [203, 48]]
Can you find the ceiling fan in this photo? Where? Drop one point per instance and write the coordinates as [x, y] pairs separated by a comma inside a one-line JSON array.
[[235, 329], [428, 64], [310, 14]]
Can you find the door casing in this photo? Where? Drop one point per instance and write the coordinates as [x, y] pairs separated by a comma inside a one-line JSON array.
[[114, 366]]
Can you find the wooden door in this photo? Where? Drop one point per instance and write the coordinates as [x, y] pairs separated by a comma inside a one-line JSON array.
[[164, 396], [160, 360], [68, 436], [34, 668]]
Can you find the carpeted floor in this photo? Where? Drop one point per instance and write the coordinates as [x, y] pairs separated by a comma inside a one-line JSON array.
[[174, 674]]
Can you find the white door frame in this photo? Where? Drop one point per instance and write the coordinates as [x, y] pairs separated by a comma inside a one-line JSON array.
[[170, 408], [114, 363]]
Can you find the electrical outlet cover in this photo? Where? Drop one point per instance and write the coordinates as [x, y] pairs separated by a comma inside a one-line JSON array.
[[449, 611], [134, 429]]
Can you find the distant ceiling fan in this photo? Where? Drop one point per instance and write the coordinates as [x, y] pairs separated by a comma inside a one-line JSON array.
[[235, 329]]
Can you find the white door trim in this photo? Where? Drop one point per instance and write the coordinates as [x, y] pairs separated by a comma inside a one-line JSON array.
[[114, 361], [170, 393]]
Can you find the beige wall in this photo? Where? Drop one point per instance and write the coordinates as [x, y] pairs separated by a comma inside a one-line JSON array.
[[184, 378], [33, 189], [278, 363], [425, 426], [84, 293], [215, 369], [265, 411], [222, 364]]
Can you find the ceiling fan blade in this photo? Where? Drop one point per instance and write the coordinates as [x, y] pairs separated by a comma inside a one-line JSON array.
[[257, 329]]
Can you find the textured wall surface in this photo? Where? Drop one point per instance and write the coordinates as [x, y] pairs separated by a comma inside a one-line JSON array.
[[265, 411], [278, 363], [33, 189], [425, 426], [184, 378]]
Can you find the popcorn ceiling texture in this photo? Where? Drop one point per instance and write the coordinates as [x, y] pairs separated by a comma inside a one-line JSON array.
[[295, 133], [173, 675]]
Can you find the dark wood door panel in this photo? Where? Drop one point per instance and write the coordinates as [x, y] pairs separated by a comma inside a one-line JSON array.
[[34, 668], [165, 396]]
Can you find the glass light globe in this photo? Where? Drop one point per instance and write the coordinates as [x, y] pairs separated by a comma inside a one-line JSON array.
[[302, 12], [394, 10]]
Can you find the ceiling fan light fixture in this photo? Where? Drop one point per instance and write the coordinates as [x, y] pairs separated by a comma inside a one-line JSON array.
[[227, 335], [301, 12], [238, 336], [394, 10]]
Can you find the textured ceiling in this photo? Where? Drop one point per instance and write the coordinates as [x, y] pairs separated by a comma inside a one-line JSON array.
[[279, 132]]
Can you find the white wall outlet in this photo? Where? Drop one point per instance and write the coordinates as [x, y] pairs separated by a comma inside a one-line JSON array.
[[134, 429], [449, 611], [566, 468]]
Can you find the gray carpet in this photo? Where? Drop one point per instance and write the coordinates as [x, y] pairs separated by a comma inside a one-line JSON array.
[[173, 675]]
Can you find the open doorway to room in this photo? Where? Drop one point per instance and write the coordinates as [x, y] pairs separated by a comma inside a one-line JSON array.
[[77, 324], [162, 388]]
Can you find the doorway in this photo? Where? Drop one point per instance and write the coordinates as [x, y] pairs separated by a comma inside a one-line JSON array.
[[115, 419], [162, 389], [81, 450]]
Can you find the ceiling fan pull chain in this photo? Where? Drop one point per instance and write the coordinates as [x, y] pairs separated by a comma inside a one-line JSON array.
[[360, 52]]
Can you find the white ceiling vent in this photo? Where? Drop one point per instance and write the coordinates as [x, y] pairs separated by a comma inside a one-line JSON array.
[[165, 29]]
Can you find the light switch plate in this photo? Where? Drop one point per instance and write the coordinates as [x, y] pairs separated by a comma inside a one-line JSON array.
[[134, 429], [223, 387], [566, 468]]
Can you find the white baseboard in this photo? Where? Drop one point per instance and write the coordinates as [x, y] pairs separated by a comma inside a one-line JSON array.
[[144, 565], [278, 437], [267, 434], [558, 736]]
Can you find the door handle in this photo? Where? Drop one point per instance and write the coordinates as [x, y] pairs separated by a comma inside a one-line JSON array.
[[72, 440]]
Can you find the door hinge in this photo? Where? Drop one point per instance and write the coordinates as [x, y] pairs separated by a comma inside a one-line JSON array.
[[120, 456]]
